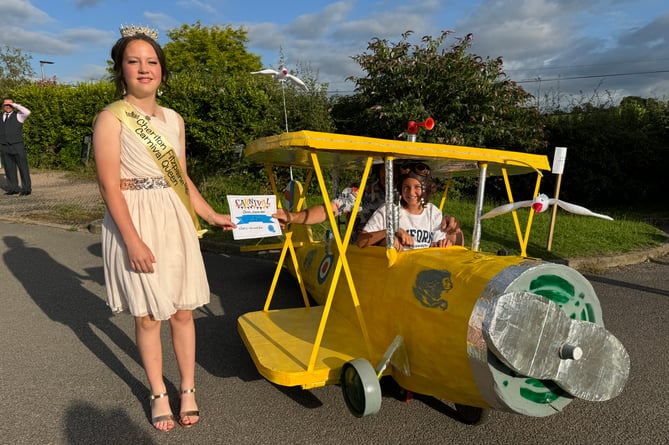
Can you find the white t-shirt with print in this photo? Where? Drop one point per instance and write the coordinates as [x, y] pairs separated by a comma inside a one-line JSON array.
[[425, 228]]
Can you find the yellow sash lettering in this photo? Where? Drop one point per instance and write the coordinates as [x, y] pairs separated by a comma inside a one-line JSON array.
[[161, 152]]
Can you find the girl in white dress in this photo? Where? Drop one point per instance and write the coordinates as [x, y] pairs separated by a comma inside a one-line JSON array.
[[151, 254]]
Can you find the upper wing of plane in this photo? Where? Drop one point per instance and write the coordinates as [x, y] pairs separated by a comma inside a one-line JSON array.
[[345, 151]]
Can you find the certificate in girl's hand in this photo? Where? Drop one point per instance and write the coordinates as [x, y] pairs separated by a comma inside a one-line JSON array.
[[253, 216]]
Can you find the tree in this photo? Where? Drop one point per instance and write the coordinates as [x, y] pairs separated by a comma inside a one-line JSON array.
[[214, 50], [224, 105], [223, 113], [15, 68], [471, 99]]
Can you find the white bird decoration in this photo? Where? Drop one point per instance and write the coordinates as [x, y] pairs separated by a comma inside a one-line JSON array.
[[541, 204], [282, 76]]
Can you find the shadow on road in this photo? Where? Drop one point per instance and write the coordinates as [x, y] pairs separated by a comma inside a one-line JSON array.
[[86, 423], [59, 293], [628, 285]]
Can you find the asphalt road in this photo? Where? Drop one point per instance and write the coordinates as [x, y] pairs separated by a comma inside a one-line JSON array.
[[70, 373]]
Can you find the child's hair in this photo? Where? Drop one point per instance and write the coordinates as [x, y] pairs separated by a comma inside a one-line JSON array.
[[421, 173]]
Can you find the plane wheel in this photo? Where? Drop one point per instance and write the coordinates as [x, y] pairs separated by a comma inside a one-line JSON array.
[[361, 388], [472, 415]]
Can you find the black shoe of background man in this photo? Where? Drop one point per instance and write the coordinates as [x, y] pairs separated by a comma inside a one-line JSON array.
[[12, 193], [24, 193]]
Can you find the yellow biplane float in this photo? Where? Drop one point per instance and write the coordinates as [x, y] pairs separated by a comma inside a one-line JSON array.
[[481, 330]]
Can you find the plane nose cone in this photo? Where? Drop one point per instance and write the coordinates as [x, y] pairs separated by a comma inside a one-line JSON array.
[[535, 338]]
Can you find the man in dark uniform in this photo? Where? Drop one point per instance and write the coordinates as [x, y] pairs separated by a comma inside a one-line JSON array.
[[12, 149]]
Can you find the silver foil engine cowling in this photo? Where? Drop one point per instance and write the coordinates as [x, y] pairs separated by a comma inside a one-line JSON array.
[[536, 340]]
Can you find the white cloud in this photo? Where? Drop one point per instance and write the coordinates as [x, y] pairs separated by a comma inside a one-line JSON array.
[[266, 36], [161, 21], [311, 26], [30, 41], [21, 11], [86, 36], [572, 46], [208, 9]]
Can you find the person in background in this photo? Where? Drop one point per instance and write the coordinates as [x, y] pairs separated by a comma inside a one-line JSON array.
[[152, 261], [13, 149]]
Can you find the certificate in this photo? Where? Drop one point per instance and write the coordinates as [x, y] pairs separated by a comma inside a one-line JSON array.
[[253, 216]]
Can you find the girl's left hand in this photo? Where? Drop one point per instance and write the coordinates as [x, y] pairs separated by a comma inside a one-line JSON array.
[[443, 243], [403, 238]]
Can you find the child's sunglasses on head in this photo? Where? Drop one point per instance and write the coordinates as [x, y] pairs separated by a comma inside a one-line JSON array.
[[419, 168]]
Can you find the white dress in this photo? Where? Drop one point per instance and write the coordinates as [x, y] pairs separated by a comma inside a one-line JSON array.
[[425, 228], [179, 280]]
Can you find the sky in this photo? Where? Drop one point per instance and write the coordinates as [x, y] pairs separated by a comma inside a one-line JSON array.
[[565, 50]]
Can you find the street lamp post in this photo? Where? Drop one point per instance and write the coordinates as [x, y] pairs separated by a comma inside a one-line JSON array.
[[41, 65]]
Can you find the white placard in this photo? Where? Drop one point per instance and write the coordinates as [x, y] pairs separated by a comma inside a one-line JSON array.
[[559, 160], [253, 216]]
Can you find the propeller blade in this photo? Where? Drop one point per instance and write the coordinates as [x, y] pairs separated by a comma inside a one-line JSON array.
[[506, 208], [579, 210]]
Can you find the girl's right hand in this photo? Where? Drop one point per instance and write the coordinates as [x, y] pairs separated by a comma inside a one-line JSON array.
[[141, 258]]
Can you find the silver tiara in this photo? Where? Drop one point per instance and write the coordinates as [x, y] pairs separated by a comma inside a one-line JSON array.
[[132, 30]]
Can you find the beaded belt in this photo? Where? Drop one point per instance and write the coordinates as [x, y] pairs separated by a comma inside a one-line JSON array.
[[143, 183]]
